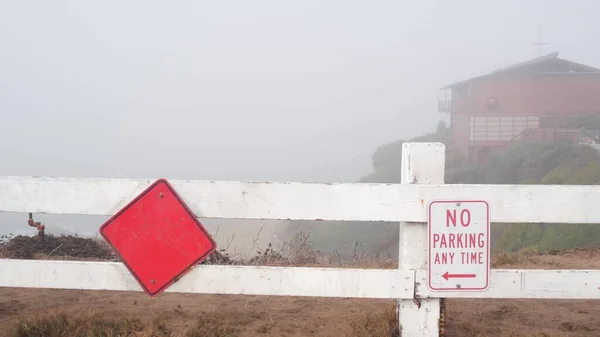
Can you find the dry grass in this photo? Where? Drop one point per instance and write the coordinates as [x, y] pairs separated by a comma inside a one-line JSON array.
[[215, 324], [223, 324], [85, 325], [575, 258], [377, 324], [218, 324]]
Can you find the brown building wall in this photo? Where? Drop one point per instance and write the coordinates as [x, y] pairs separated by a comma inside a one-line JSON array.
[[514, 96], [568, 95], [526, 95]]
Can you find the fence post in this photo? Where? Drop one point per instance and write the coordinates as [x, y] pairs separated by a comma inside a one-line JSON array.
[[422, 163]]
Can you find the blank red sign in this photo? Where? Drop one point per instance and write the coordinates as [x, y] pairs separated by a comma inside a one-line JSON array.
[[157, 237]]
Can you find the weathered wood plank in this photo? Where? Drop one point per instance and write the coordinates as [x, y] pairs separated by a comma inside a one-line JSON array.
[[526, 283], [304, 201], [212, 279], [421, 163]]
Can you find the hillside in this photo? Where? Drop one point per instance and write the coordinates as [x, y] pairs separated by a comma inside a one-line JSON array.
[[522, 163]]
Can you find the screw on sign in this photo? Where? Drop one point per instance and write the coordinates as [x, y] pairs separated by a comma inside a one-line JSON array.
[[157, 237], [459, 245]]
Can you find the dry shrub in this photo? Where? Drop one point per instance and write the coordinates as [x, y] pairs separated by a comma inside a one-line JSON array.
[[298, 251], [377, 325], [88, 325], [220, 257], [31, 247]]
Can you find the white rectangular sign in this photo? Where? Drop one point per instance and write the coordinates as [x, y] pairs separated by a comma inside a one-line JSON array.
[[459, 245]]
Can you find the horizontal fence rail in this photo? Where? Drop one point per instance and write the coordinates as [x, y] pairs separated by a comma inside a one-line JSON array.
[[304, 201], [526, 283], [214, 279], [299, 281]]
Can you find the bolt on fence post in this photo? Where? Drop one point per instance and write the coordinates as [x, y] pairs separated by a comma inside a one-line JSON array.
[[422, 163]]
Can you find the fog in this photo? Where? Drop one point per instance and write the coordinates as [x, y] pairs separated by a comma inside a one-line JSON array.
[[247, 90]]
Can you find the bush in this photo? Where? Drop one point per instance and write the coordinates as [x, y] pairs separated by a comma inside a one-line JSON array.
[[29, 247]]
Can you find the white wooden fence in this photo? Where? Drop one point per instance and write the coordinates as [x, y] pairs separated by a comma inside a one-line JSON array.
[[422, 181]]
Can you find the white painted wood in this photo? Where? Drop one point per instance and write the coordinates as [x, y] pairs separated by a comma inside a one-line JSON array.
[[540, 284], [296, 281], [304, 201], [422, 163], [212, 279]]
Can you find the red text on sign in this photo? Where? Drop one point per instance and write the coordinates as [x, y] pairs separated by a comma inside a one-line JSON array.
[[465, 258], [465, 217], [472, 257], [444, 258], [460, 240]]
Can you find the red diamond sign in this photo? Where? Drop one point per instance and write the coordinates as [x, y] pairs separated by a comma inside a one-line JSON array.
[[157, 237]]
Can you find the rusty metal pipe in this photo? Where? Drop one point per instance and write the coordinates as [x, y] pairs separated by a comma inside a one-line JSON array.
[[38, 225]]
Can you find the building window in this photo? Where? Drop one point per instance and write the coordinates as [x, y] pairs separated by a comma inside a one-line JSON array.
[[489, 129]]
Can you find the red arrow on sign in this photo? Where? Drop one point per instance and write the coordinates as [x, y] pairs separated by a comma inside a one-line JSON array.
[[447, 276]]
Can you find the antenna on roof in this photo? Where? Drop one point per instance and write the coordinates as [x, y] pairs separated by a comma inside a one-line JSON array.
[[539, 42]]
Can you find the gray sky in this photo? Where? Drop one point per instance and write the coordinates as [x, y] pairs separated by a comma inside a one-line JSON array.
[[249, 90]]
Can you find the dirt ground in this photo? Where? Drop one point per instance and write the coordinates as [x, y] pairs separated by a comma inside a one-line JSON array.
[[239, 316], [281, 316]]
